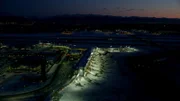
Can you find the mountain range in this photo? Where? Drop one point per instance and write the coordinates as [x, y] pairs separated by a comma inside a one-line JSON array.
[[91, 19]]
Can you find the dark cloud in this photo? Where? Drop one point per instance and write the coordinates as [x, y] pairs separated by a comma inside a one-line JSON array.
[[117, 7], [130, 10], [105, 9], [119, 11], [134, 9], [141, 9]]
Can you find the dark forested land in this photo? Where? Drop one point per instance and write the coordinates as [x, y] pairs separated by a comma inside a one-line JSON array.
[[86, 22]]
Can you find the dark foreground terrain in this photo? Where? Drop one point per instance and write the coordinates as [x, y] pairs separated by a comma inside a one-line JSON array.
[[158, 74]]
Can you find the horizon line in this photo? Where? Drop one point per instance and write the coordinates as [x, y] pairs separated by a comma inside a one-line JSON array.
[[86, 14]]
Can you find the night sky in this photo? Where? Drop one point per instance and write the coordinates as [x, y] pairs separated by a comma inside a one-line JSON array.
[[145, 8]]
